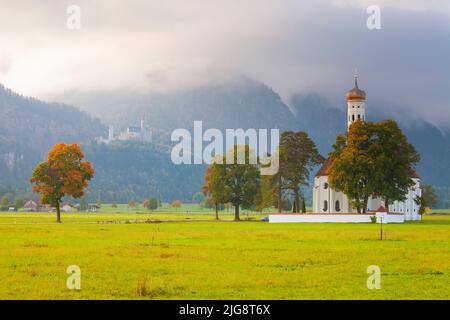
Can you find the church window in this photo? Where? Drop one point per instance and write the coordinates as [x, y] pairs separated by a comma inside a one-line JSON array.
[[325, 185], [353, 117], [325, 205], [337, 206], [359, 117]]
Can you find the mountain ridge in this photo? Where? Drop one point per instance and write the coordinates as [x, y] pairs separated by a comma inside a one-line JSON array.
[[33, 126]]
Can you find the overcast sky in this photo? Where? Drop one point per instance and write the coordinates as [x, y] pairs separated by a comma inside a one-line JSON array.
[[293, 46]]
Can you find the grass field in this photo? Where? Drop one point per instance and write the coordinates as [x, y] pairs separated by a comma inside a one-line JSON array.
[[220, 260], [440, 211], [122, 213]]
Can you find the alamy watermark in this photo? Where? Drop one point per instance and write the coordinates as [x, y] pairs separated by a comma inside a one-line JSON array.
[[374, 280], [374, 19], [190, 150], [74, 280], [74, 17]]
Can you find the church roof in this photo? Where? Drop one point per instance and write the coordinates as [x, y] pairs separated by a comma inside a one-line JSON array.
[[326, 167], [414, 174], [356, 93]]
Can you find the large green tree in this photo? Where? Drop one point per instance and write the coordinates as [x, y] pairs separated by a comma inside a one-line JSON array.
[[374, 160], [242, 181], [237, 183], [395, 159], [353, 167], [298, 156], [268, 195], [212, 189]]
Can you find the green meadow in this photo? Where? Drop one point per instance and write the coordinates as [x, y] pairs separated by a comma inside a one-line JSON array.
[[179, 255], [123, 214]]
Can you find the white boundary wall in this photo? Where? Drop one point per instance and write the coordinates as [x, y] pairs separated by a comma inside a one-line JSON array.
[[335, 218]]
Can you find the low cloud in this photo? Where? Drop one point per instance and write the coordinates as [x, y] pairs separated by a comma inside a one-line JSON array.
[[293, 46]]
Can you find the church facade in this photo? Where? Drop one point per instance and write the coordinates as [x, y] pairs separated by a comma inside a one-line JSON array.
[[326, 200]]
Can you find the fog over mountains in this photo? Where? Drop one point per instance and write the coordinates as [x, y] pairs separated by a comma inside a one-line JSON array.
[[29, 127], [139, 170], [250, 104]]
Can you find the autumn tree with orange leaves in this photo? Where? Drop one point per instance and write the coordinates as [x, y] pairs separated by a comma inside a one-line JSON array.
[[63, 174]]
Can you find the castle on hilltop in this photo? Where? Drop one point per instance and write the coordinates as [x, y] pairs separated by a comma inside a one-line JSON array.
[[135, 133]]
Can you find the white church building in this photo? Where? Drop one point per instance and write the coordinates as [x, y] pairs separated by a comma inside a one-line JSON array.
[[327, 200], [332, 206]]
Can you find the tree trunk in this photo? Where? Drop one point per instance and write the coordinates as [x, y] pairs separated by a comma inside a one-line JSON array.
[[303, 205], [58, 213], [386, 204], [236, 213], [358, 203], [297, 200], [280, 200], [366, 201], [217, 211]]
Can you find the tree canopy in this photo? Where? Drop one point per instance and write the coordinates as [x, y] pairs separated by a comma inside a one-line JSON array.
[[298, 156], [353, 164], [374, 160], [151, 204], [428, 199], [63, 174], [213, 186], [176, 204], [236, 183], [395, 159]]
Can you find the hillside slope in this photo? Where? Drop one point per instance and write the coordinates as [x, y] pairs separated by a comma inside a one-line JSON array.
[[133, 170], [136, 170], [29, 127]]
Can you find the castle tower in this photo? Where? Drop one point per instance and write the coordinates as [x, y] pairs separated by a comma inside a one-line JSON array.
[[356, 100], [110, 133]]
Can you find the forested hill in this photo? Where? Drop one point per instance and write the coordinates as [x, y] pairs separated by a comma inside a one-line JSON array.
[[28, 129], [132, 170], [249, 104], [137, 170]]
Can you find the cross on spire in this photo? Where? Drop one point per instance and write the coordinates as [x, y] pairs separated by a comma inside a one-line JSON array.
[[356, 77]]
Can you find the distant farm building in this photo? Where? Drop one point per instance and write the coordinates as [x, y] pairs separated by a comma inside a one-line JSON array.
[[31, 206], [66, 208]]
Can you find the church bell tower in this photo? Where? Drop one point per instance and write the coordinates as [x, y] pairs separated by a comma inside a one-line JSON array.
[[356, 100]]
